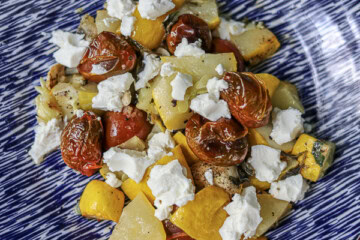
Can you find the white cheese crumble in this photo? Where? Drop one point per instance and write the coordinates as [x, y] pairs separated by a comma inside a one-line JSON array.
[[179, 86], [120, 8], [209, 176], [189, 49], [266, 163], [98, 69], [159, 145], [292, 189], [227, 28], [151, 9], [111, 92], [112, 180], [72, 47], [167, 70], [169, 185], [287, 125], [132, 163], [151, 69], [209, 108], [244, 216], [127, 25], [220, 69], [214, 86], [47, 139], [79, 113]]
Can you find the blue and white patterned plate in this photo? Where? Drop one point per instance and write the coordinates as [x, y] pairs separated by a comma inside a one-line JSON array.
[[320, 53]]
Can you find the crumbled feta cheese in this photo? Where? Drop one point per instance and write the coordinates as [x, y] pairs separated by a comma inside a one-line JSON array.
[[112, 180], [244, 216], [167, 70], [79, 113], [127, 25], [169, 185], [72, 47], [151, 69], [209, 108], [120, 8], [287, 125], [227, 28], [209, 176], [151, 9], [111, 92], [214, 86], [220, 69], [98, 69], [189, 49], [266, 163], [132, 163], [179, 85], [159, 145], [47, 139], [292, 189]]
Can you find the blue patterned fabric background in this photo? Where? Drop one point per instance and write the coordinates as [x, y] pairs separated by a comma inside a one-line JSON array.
[[320, 53]]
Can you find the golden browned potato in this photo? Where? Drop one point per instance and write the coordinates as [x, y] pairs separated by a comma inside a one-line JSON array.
[[256, 44], [56, 74]]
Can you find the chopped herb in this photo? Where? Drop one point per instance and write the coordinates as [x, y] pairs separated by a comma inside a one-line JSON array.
[[317, 152]]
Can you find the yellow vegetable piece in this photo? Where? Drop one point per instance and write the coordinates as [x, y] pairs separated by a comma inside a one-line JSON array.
[[255, 138], [285, 96], [207, 10], [101, 201], [109, 26], [145, 99], [173, 117], [150, 33], [132, 188], [138, 222], [190, 156], [202, 218], [271, 82], [259, 185], [271, 211], [316, 156], [256, 44]]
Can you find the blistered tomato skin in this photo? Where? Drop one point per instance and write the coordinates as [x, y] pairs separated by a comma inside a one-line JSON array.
[[81, 143], [121, 126], [247, 98], [221, 143], [192, 28], [109, 52], [224, 46]]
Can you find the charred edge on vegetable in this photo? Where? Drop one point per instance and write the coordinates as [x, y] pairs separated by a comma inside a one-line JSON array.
[[317, 152]]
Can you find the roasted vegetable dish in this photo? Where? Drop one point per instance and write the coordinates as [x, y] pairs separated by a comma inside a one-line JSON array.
[[158, 97]]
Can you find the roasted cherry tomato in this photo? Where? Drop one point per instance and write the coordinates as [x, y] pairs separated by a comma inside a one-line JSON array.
[[192, 28], [224, 46], [81, 143], [121, 126], [248, 100], [221, 143], [174, 233], [109, 54]]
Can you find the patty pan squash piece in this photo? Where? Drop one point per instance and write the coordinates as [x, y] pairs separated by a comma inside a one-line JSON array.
[[138, 222], [270, 81], [285, 96], [150, 33], [202, 218], [316, 156], [101, 201]]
